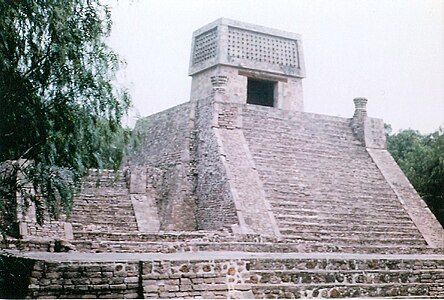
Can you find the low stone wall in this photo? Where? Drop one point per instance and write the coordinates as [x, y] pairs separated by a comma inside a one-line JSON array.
[[221, 275], [118, 279], [49, 229], [121, 279], [185, 279]]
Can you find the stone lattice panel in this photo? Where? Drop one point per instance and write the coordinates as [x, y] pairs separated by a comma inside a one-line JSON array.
[[247, 46], [205, 46], [244, 44]]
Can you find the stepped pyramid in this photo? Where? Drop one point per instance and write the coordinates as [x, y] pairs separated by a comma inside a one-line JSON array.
[[239, 193]]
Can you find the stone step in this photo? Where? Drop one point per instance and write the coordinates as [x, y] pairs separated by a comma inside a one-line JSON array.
[[273, 114], [289, 171], [320, 166], [390, 290], [286, 128], [107, 228], [318, 202], [298, 147], [98, 195], [286, 171], [389, 204], [321, 187], [350, 240], [283, 133], [342, 277], [298, 125], [140, 236], [100, 200], [302, 123], [305, 204], [116, 222], [100, 245], [314, 226], [343, 212], [340, 262], [320, 180], [97, 220], [98, 210], [95, 185], [121, 208], [346, 233], [290, 219], [104, 206], [102, 194], [301, 145]]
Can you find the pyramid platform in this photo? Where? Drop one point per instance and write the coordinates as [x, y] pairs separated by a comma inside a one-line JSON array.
[[239, 193]]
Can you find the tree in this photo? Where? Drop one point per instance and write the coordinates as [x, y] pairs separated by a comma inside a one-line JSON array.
[[60, 107], [421, 157]]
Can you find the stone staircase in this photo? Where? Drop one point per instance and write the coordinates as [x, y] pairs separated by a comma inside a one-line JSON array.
[[103, 205], [347, 276], [322, 184]]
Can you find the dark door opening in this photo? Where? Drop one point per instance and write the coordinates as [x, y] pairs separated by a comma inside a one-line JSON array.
[[260, 92]]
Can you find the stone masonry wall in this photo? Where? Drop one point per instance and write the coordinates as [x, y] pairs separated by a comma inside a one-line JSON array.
[[117, 279], [281, 276], [213, 279], [20, 221], [374, 133], [288, 94], [216, 206], [124, 279], [165, 144], [236, 87], [369, 131], [50, 229]]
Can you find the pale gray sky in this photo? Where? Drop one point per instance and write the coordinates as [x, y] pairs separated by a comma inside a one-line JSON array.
[[391, 52]]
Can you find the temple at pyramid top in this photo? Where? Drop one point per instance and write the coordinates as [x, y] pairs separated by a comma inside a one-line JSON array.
[[248, 63]]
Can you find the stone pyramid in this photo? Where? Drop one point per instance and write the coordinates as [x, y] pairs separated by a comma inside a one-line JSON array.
[[239, 193]]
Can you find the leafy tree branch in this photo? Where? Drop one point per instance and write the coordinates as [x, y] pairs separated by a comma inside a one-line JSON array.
[[60, 108]]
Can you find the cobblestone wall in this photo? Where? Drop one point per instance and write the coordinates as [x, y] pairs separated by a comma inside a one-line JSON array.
[[118, 279], [277, 277], [207, 279]]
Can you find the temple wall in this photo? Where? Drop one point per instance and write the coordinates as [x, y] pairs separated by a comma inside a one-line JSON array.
[[288, 91], [216, 208], [165, 145]]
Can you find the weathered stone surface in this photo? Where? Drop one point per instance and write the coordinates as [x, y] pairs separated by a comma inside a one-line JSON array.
[[225, 199], [417, 209], [220, 49]]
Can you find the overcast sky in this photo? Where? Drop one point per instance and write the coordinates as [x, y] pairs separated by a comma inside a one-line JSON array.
[[391, 52]]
